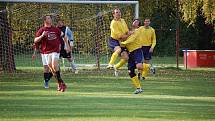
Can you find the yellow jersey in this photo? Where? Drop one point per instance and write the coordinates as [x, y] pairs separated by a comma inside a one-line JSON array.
[[118, 28], [133, 42], [148, 37]]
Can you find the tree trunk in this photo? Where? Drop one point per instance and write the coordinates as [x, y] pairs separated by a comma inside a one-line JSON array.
[[7, 63]]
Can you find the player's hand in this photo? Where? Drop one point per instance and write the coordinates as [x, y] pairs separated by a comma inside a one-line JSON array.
[[130, 32], [44, 34], [151, 50]]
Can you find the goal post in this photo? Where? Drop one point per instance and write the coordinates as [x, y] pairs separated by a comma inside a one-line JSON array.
[[136, 3], [89, 20]]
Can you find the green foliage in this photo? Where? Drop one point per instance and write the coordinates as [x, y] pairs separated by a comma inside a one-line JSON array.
[[190, 8], [196, 23]]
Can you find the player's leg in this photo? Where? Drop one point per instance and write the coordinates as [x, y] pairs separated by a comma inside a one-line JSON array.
[[52, 61], [115, 46], [135, 81], [46, 73], [63, 55], [123, 60], [117, 51], [71, 61], [146, 65], [133, 76], [73, 65], [46, 76], [55, 66], [138, 59]]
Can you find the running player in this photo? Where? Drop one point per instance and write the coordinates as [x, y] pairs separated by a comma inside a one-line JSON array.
[[49, 36]]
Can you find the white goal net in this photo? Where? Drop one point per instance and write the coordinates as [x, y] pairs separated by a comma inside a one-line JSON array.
[[89, 21]]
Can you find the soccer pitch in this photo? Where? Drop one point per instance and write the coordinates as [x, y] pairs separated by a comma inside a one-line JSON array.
[[170, 95]]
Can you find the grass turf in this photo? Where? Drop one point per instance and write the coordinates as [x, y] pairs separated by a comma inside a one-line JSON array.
[[170, 95]]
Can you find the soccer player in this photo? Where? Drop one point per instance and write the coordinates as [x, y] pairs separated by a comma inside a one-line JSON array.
[[50, 36], [67, 37], [119, 32], [46, 72], [148, 44], [134, 46]]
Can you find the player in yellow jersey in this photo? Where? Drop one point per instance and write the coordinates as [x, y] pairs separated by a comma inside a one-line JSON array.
[[134, 46], [148, 44], [119, 32]]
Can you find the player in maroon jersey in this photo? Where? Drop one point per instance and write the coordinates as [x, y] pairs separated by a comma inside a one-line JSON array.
[[49, 36]]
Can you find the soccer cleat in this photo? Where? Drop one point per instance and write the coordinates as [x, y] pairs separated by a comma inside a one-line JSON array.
[[138, 91], [110, 66], [58, 87], [74, 68], [63, 87], [76, 71], [46, 84], [115, 71]]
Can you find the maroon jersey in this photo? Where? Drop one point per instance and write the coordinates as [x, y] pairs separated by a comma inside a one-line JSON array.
[[50, 43]]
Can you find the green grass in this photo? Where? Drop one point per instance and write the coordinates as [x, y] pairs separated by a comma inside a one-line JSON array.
[[172, 94], [24, 60]]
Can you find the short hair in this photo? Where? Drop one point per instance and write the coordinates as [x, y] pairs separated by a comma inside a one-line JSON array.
[[44, 17], [138, 20], [60, 20], [147, 18], [114, 10]]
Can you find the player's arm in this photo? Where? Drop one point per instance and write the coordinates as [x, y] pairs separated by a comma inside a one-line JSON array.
[[36, 50], [70, 33], [66, 41], [125, 36], [39, 37], [153, 41], [130, 39]]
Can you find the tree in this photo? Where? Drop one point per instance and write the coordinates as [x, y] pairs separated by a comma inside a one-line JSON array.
[[189, 9], [200, 14]]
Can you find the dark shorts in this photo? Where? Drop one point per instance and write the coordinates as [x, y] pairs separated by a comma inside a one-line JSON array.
[[64, 54], [135, 57], [146, 54], [113, 43]]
